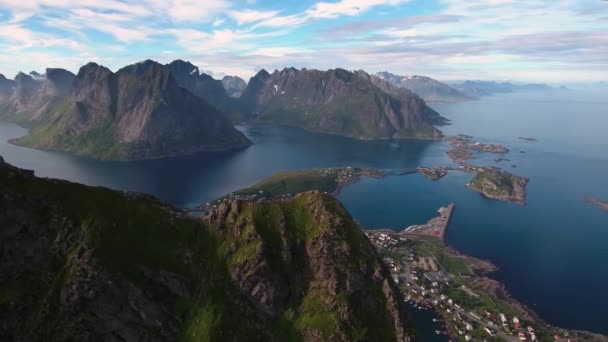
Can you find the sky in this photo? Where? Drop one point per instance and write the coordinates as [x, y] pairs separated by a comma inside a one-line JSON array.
[[530, 40]]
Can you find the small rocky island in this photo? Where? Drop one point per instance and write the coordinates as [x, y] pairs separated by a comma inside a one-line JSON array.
[[460, 155], [464, 146], [597, 203], [433, 173], [528, 139], [498, 184]]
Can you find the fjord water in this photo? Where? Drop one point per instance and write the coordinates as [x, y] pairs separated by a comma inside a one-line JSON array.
[[551, 252]]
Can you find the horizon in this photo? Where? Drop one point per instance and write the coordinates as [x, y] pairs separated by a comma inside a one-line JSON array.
[[41, 74], [449, 40]]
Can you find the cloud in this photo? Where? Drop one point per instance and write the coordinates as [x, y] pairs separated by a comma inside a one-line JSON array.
[[480, 38], [326, 10], [347, 7], [250, 16]]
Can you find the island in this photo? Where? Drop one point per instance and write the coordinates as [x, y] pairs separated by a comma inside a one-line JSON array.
[[597, 203], [463, 147], [433, 173], [498, 184], [528, 139], [460, 155], [471, 306]]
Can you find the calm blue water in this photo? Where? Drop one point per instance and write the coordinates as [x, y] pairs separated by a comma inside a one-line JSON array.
[[551, 252]]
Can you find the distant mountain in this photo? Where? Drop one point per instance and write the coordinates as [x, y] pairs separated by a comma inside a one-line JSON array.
[[32, 95], [91, 264], [139, 112], [339, 102], [429, 89], [234, 85], [200, 84], [484, 88]]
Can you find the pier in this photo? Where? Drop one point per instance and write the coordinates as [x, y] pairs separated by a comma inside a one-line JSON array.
[[435, 227]]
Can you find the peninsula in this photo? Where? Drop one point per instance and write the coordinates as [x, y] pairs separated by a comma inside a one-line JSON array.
[[288, 183], [498, 184], [472, 306]]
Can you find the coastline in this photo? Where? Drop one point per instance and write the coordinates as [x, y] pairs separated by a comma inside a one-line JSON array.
[[477, 280]]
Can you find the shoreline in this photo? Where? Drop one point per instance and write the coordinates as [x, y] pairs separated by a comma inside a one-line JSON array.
[[479, 280]]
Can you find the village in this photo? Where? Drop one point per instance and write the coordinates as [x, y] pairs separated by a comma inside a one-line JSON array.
[[432, 278]]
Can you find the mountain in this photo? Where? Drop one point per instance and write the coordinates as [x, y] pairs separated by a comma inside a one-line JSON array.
[[429, 89], [90, 264], [338, 102], [200, 84], [139, 112], [234, 85], [484, 88], [6, 88]]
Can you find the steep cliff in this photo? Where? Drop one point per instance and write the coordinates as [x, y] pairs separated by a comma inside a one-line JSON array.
[[338, 102]]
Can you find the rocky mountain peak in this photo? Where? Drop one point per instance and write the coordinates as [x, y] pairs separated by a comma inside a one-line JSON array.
[[37, 76], [182, 68], [23, 79], [188, 76], [234, 85], [58, 82]]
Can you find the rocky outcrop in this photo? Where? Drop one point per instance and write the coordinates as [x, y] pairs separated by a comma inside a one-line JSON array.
[[339, 102], [307, 256], [80, 263], [139, 112], [234, 85]]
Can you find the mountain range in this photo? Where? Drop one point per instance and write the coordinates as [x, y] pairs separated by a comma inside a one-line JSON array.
[[139, 112], [341, 102], [91, 264], [485, 88], [429, 89], [149, 110]]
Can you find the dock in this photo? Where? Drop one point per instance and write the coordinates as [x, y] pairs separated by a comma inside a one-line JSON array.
[[435, 227]]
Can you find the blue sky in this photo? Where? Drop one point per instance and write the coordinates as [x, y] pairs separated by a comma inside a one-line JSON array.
[[533, 40]]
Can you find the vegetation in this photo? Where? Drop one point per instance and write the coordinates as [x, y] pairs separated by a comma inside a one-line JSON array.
[[292, 182], [499, 184], [214, 261]]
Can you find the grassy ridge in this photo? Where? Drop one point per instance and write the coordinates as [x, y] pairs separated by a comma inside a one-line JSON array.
[[291, 182], [125, 233]]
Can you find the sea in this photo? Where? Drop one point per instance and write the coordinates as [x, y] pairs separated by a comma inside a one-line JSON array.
[[550, 252]]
